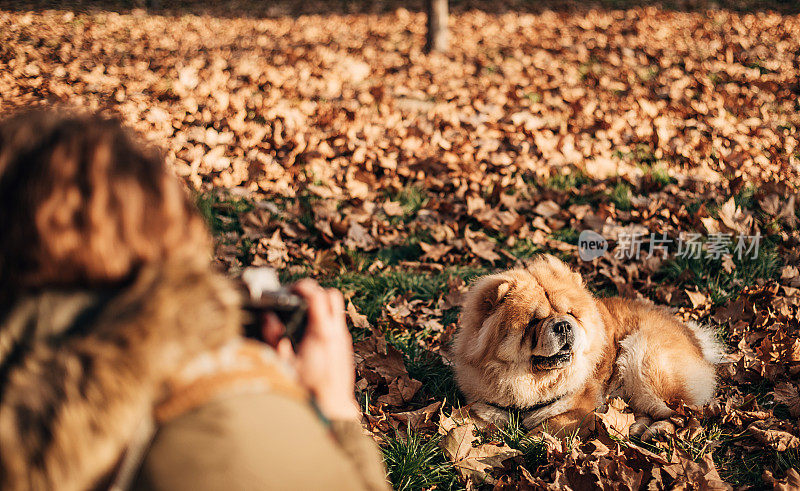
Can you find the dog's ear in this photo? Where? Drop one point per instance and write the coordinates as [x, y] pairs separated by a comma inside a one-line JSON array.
[[559, 265], [488, 292], [576, 277], [474, 339]]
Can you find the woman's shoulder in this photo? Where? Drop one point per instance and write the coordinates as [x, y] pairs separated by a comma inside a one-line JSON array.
[[241, 366], [239, 421]]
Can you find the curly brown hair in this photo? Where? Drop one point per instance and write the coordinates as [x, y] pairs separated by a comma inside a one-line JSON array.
[[84, 203]]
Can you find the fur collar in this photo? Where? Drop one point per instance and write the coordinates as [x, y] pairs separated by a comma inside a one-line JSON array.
[[80, 370]]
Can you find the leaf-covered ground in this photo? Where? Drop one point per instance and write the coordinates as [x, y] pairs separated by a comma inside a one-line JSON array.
[[331, 146]]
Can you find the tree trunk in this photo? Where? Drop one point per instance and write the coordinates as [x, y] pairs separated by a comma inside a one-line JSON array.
[[437, 26]]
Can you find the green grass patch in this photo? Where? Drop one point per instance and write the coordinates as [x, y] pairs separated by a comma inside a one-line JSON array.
[[415, 462], [524, 249], [566, 234], [438, 380], [306, 201], [565, 182], [360, 261], [621, 196], [641, 154], [373, 291], [450, 316], [222, 211], [534, 97], [746, 197], [656, 176], [409, 250], [740, 469], [514, 434], [603, 289], [412, 199], [644, 155], [708, 275], [591, 197], [701, 442], [292, 275]]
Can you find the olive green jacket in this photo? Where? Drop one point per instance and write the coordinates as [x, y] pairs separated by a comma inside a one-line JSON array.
[[81, 372], [260, 441]]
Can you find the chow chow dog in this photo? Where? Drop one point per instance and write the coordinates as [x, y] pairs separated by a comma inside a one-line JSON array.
[[535, 340]]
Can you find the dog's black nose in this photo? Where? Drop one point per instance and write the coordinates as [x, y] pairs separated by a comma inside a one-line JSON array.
[[562, 327]]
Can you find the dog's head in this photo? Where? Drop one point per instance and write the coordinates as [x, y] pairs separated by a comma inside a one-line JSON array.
[[539, 324]]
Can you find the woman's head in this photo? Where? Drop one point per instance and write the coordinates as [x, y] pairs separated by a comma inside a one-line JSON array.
[[82, 203]]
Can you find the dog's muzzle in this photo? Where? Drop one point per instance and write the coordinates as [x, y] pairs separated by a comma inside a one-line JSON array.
[[554, 345]]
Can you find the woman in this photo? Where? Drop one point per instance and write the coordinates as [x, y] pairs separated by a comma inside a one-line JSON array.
[[121, 359]]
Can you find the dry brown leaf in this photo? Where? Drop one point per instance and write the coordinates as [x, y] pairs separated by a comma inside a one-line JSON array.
[[787, 393], [789, 483], [547, 208], [777, 439], [697, 298], [734, 218], [401, 391], [393, 209], [703, 474], [711, 225], [791, 275], [480, 245], [616, 420], [274, 250], [419, 419], [359, 237], [473, 461], [435, 252], [359, 321]]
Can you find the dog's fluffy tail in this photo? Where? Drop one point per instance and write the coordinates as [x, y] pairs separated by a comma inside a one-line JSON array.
[[713, 350]]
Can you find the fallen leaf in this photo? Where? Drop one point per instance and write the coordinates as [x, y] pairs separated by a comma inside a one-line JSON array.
[[474, 461], [480, 245], [419, 419], [702, 474], [789, 483], [359, 237], [359, 321], [735, 218], [435, 252], [698, 299], [393, 209], [616, 421], [401, 390], [788, 213], [777, 439], [547, 208], [274, 249]]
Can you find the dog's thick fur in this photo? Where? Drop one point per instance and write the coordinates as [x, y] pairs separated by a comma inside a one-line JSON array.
[[621, 347], [74, 392]]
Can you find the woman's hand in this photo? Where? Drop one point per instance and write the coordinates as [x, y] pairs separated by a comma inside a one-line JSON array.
[[324, 359]]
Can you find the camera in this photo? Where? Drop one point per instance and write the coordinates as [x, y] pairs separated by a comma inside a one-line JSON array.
[[264, 293]]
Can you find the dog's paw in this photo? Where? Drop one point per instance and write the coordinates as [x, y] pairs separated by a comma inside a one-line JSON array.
[[645, 429], [491, 414], [659, 428], [639, 426]]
